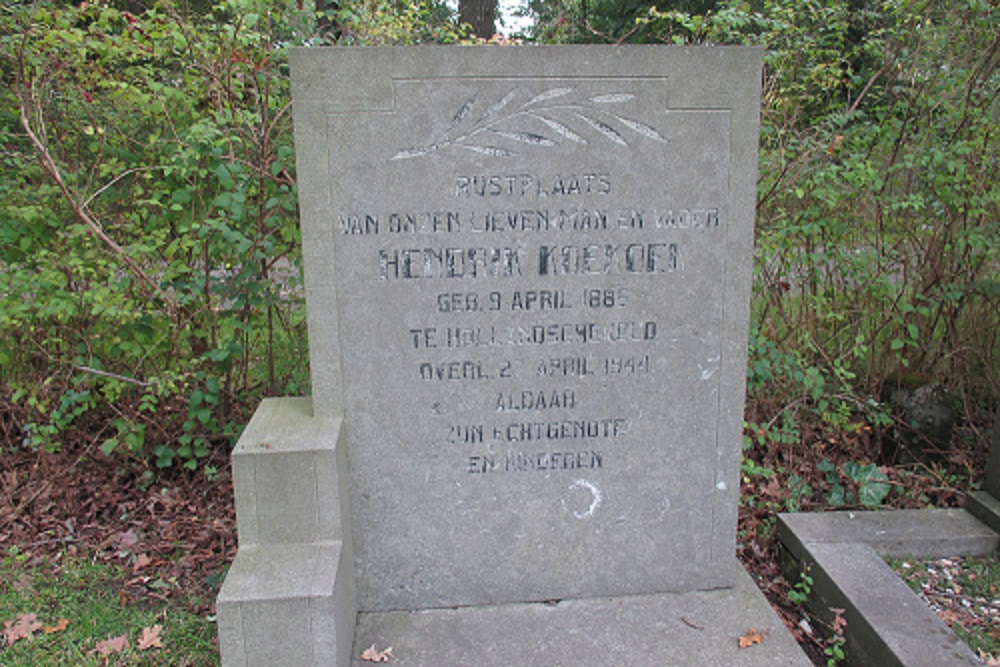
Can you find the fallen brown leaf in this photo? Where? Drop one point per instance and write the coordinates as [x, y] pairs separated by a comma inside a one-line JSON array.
[[127, 540], [60, 625], [141, 561], [950, 616], [750, 638], [108, 646], [150, 638], [22, 628], [372, 655]]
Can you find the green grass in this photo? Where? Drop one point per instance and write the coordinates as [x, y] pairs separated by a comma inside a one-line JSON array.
[[981, 578], [977, 579], [89, 597]]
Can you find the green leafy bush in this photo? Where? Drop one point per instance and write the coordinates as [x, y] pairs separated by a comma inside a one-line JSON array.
[[149, 246]]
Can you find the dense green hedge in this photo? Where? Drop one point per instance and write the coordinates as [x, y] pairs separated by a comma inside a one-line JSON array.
[[149, 258]]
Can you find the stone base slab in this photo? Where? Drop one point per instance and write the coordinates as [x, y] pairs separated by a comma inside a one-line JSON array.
[[694, 628], [291, 604], [887, 624]]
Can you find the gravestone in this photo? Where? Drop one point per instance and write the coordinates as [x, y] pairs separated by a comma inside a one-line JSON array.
[[527, 278]]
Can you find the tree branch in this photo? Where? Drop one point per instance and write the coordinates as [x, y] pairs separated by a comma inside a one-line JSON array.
[[26, 98]]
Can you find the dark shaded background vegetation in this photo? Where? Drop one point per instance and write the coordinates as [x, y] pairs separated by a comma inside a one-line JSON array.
[[149, 248]]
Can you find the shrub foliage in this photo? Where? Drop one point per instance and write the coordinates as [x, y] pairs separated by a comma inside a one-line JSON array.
[[149, 255]]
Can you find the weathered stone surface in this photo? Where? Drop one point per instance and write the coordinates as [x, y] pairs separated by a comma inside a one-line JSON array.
[[286, 476], [528, 277], [985, 507], [290, 604], [887, 624], [694, 628], [289, 596], [891, 534]]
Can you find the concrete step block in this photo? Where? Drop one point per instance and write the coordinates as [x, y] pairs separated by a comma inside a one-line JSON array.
[[288, 476], [291, 604]]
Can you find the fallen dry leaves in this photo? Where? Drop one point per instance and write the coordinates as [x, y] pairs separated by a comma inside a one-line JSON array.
[[150, 638], [65, 505], [22, 628], [371, 654], [839, 622], [750, 638], [108, 646], [60, 625], [955, 590], [26, 625]]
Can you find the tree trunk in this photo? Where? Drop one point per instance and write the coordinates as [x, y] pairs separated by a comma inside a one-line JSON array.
[[480, 14]]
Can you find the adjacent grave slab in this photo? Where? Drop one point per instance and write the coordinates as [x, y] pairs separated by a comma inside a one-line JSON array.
[[891, 533], [528, 276], [992, 479], [887, 624]]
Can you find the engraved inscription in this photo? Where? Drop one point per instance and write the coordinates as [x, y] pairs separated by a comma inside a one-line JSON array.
[[549, 278], [535, 462], [548, 119]]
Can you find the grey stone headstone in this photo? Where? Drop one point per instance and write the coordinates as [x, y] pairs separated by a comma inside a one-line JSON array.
[[528, 275]]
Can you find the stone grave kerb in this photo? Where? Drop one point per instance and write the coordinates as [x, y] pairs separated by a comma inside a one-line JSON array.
[[985, 504], [845, 553]]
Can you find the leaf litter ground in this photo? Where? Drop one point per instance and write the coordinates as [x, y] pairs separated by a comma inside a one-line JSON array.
[[159, 553], [965, 594], [172, 540]]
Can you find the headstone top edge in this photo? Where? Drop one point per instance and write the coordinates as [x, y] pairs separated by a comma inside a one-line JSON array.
[[730, 63]]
